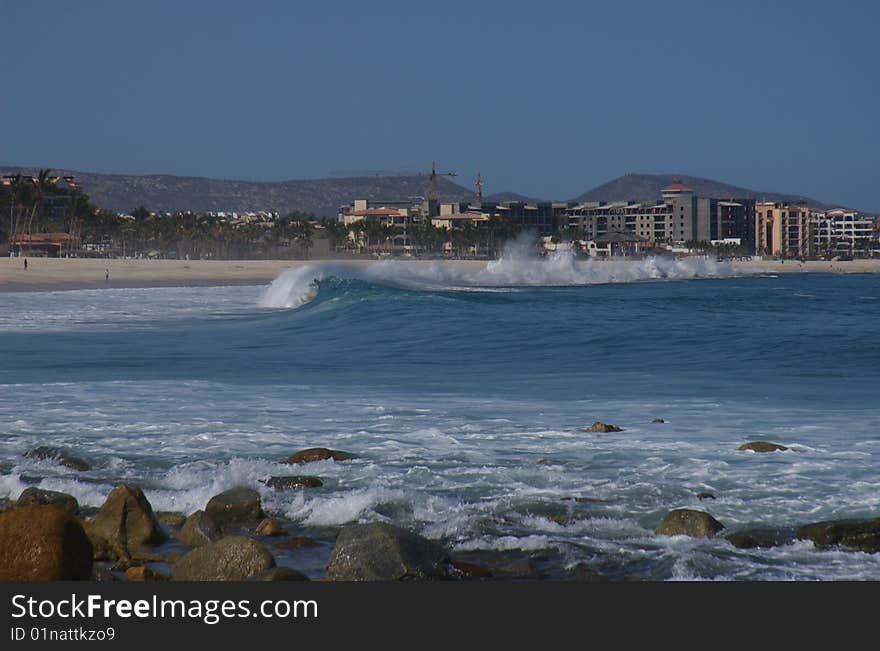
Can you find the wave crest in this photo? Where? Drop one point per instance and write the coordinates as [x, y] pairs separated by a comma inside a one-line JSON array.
[[518, 266]]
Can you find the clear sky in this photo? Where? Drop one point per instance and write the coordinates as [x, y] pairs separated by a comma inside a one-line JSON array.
[[546, 98]]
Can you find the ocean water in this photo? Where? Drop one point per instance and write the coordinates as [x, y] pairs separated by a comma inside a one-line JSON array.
[[463, 395]]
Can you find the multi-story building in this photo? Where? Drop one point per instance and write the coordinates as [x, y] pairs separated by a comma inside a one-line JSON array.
[[840, 231], [679, 217], [783, 229]]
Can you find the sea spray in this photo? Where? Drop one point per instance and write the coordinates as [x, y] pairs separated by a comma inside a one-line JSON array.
[[518, 266]]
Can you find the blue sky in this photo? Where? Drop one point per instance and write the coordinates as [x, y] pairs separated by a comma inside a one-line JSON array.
[[548, 99]]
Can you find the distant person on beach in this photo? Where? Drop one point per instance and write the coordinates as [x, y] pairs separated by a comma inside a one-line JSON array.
[[106, 275], [25, 264]]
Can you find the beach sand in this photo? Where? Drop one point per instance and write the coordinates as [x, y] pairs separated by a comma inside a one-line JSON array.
[[54, 274]]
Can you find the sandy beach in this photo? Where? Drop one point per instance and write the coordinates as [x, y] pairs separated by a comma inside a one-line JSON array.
[[55, 274]]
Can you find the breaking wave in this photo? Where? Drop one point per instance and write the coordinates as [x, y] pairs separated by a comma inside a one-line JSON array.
[[518, 266]]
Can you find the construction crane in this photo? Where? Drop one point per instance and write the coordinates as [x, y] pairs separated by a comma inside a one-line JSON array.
[[434, 174]]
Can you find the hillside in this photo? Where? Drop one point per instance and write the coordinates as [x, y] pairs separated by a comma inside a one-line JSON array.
[[641, 187], [322, 197]]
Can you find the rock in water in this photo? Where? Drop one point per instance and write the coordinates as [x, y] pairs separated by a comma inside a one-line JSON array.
[[764, 537], [236, 507], [269, 527], [318, 454], [43, 543], [383, 552], [299, 481], [705, 496], [687, 522], [234, 558], [32, 495], [67, 460], [861, 535], [604, 428], [199, 529], [124, 522], [762, 446]]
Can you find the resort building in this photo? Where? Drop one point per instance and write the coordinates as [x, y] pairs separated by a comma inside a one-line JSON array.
[[783, 229], [842, 232], [678, 218]]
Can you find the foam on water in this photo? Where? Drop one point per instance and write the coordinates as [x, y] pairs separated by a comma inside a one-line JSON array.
[[465, 410], [517, 266]]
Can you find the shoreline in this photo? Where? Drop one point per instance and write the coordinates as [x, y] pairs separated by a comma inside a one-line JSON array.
[[64, 274]]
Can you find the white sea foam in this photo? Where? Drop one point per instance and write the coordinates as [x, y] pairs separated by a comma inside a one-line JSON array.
[[518, 266]]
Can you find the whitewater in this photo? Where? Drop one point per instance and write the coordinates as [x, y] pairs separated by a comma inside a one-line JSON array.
[[463, 393]]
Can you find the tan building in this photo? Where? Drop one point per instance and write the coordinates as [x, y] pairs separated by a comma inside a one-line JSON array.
[[783, 229]]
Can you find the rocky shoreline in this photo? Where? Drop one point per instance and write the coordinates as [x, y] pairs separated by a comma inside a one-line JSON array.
[[46, 536]]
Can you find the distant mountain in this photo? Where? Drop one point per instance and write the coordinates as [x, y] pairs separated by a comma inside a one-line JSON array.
[[644, 187], [499, 197], [322, 197]]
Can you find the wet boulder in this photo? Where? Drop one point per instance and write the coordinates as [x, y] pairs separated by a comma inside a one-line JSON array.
[[124, 522], [688, 522], [43, 542], [269, 527], [318, 454], [239, 506], [294, 481], [705, 496], [384, 552], [466, 570], [601, 427], [63, 458], [199, 529], [762, 446], [761, 538], [31, 496], [856, 534], [234, 558]]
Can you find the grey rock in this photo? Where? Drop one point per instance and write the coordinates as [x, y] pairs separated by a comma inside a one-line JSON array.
[[384, 552], [199, 529], [235, 507], [234, 558]]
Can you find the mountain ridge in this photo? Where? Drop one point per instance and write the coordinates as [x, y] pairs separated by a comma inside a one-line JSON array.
[[323, 197]]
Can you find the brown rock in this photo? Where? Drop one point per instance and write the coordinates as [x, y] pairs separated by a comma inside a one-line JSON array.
[[43, 543], [687, 522], [124, 522], [705, 496], [522, 569], [296, 543], [318, 454], [234, 558], [604, 428], [762, 446], [269, 527], [199, 529], [32, 495]]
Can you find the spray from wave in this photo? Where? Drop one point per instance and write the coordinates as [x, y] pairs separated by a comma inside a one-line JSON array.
[[517, 266]]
